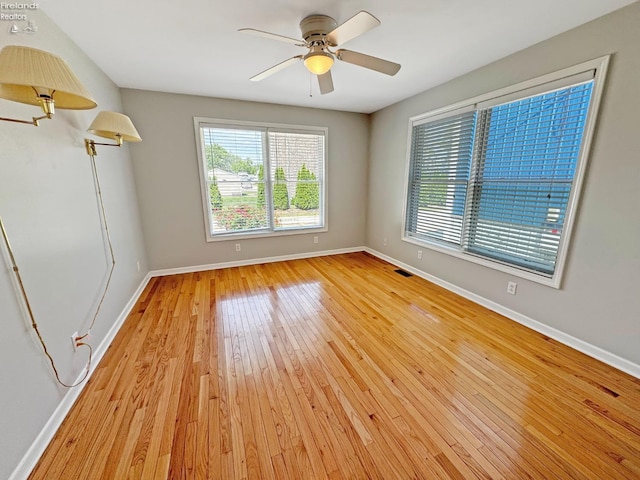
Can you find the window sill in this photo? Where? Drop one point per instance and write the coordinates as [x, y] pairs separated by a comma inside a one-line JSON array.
[[553, 282], [221, 237]]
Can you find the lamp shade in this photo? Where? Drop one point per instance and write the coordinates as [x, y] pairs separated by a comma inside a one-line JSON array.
[[114, 124], [318, 61], [24, 69]]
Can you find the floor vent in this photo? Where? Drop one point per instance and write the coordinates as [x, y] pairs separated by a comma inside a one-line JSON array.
[[403, 273]]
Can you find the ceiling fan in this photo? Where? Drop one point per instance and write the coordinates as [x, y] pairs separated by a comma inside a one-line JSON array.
[[321, 33]]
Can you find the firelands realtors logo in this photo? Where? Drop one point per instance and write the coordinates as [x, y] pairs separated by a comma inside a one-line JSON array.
[[18, 13]]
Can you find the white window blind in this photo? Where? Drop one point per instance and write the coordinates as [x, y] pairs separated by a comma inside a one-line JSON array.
[[235, 188], [296, 175], [495, 179], [529, 152], [440, 167]]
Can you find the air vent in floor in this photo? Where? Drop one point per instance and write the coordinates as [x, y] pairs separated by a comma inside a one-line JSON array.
[[403, 273]]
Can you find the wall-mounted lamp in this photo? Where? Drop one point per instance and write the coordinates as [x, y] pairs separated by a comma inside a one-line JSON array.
[[36, 77], [113, 125], [119, 128]]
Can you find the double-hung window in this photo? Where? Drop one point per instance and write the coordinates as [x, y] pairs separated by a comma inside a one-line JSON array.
[[260, 180], [496, 179]]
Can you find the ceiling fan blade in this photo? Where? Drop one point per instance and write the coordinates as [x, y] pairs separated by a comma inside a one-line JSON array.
[[326, 83], [272, 36], [360, 23], [275, 68], [367, 61]]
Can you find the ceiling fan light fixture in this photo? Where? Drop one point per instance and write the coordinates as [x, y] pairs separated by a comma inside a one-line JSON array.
[[318, 61]]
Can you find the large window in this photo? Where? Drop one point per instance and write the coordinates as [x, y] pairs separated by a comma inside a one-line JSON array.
[[261, 179], [496, 179]]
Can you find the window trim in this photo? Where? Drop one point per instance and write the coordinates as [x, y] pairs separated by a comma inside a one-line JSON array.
[[199, 122], [599, 66]]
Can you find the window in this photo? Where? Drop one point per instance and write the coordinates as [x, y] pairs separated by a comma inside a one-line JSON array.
[[261, 179], [496, 179]]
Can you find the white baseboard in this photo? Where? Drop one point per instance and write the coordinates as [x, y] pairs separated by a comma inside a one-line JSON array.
[[31, 457], [253, 261], [564, 338]]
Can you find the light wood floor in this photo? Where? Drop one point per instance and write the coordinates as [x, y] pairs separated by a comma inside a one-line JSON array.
[[339, 368]]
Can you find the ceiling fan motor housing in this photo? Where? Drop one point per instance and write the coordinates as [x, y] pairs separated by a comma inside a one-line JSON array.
[[315, 27]]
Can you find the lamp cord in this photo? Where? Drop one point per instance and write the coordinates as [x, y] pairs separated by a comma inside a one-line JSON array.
[[16, 270], [103, 217], [25, 297]]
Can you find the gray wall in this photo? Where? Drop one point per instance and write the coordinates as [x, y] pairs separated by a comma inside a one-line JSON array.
[[48, 204], [168, 182], [599, 301]]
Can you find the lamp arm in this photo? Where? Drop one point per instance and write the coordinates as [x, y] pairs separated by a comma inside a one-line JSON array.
[[90, 145], [33, 122], [106, 144]]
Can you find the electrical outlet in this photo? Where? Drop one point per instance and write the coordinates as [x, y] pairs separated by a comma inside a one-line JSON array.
[[315, 239], [419, 254], [74, 341], [237, 247], [512, 287], [384, 241]]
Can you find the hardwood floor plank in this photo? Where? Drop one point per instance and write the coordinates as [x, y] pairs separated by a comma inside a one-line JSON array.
[[339, 368], [202, 433], [151, 460], [126, 457], [258, 420]]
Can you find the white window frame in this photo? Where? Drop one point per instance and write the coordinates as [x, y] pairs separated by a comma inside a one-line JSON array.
[[200, 122], [504, 95]]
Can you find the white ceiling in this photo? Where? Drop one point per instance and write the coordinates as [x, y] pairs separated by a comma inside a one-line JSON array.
[[193, 47]]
